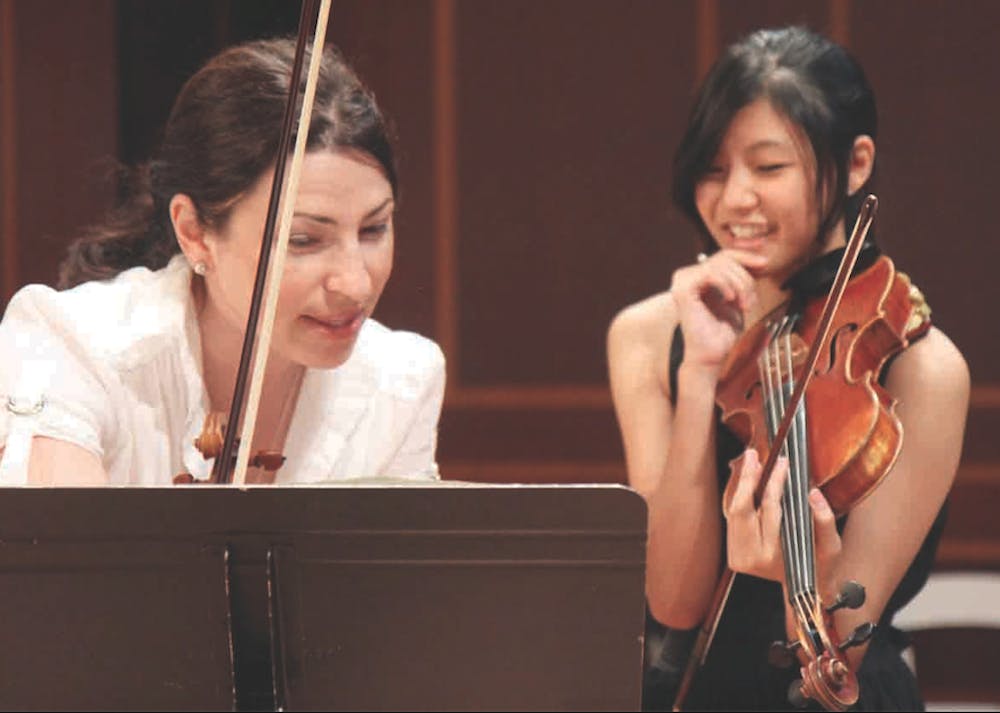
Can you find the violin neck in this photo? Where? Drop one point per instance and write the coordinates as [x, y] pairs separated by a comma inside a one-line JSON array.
[[797, 538]]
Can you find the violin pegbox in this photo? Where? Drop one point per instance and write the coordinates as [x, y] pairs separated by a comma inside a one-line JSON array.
[[826, 675], [210, 444]]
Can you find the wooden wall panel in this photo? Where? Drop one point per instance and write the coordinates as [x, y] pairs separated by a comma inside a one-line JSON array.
[[565, 115], [939, 104], [970, 539], [62, 124], [8, 152], [736, 19]]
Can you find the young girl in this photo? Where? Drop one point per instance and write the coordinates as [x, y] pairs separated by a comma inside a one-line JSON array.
[[110, 381], [778, 153]]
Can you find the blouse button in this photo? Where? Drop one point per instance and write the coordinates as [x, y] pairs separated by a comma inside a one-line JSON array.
[[25, 406]]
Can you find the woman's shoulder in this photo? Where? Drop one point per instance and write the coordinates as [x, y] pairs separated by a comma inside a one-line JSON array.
[[107, 318], [402, 362]]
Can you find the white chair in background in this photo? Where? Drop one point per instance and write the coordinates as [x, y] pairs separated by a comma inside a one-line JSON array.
[[955, 600]]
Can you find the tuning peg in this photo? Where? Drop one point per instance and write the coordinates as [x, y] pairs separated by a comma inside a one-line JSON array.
[[859, 636], [795, 695], [852, 596], [782, 654]]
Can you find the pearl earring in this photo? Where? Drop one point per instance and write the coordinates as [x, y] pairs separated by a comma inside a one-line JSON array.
[[200, 268]]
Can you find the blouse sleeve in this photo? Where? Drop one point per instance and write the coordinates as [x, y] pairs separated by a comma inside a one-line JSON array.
[[50, 382], [416, 457]]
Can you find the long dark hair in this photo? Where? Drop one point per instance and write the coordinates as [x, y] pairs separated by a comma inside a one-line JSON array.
[[222, 134], [808, 78]]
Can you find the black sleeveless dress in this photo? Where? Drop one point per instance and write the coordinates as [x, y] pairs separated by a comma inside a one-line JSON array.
[[736, 674]]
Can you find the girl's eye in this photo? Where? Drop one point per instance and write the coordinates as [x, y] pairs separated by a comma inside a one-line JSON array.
[[374, 232], [771, 167]]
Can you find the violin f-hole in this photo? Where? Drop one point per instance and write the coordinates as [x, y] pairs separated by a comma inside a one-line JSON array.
[[841, 333]]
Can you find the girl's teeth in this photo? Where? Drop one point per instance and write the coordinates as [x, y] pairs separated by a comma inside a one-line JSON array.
[[741, 232]]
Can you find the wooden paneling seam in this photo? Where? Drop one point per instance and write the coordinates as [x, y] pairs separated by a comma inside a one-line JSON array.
[[8, 151], [445, 216]]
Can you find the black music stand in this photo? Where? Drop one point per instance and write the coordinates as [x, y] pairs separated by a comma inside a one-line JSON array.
[[440, 597]]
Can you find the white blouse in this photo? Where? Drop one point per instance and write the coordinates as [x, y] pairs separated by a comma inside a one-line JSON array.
[[115, 367]]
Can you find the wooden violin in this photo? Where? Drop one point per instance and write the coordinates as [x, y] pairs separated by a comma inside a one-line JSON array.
[[804, 385]]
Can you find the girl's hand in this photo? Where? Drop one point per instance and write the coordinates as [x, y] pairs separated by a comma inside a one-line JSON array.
[[753, 540], [753, 537], [712, 296]]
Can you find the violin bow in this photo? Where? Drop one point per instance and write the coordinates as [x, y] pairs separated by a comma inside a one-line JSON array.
[[699, 652], [257, 342]]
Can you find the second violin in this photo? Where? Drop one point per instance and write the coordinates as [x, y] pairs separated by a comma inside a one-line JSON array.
[[804, 383]]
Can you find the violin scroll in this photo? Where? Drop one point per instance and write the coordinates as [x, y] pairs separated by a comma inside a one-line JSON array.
[[829, 682], [826, 675]]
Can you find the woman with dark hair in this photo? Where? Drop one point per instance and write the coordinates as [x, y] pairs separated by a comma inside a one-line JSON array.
[[110, 381], [779, 150]]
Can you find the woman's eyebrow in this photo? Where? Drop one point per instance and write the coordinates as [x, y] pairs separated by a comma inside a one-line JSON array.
[[327, 220]]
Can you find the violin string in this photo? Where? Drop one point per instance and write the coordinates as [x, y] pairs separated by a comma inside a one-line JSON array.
[[799, 484], [787, 530], [775, 398], [778, 400], [791, 492], [800, 475], [780, 396], [766, 368], [789, 510], [787, 522], [814, 602]]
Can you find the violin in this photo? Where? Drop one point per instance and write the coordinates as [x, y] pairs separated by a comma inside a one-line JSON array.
[[231, 453], [803, 384]]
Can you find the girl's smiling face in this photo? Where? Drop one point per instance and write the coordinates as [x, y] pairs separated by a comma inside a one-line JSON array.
[[759, 193]]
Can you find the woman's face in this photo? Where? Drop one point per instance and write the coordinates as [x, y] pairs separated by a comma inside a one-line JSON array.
[[759, 192], [339, 257]]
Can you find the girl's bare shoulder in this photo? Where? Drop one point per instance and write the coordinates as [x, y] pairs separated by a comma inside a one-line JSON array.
[[646, 321], [640, 336]]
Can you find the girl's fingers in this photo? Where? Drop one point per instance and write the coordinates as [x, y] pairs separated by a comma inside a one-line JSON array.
[[723, 274], [743, 283], [770, 504], [828, 542], [718, 277], [745, 472], [730, 263], [747, 258]]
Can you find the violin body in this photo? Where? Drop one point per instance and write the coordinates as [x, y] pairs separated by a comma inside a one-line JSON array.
[[854, 435]]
